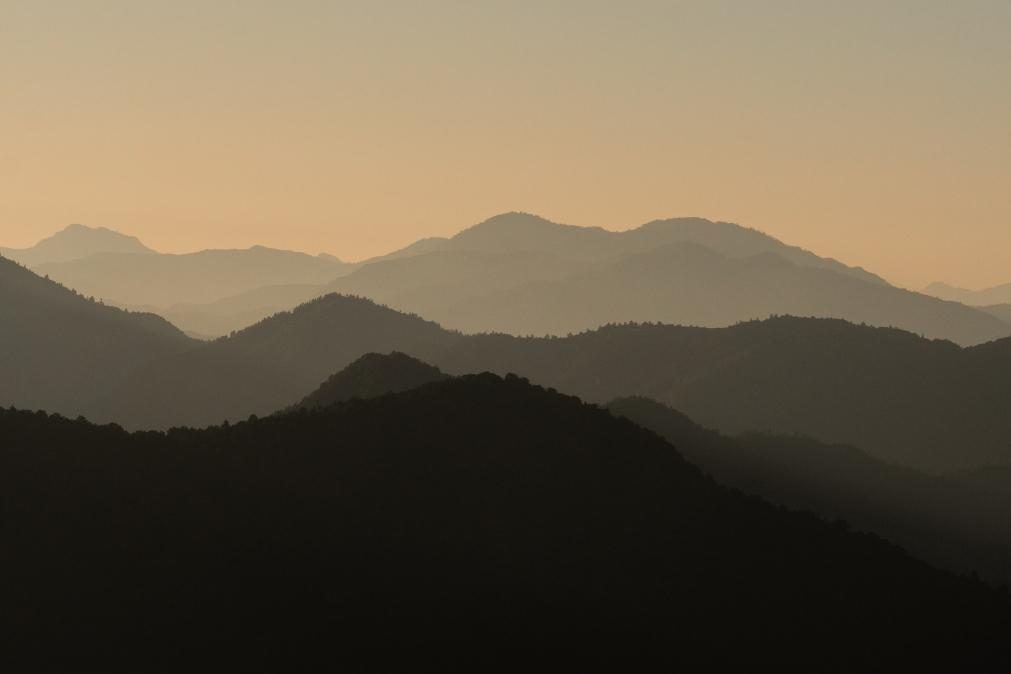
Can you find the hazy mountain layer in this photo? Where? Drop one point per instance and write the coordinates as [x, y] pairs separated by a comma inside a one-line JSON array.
[[523, 275], [473, 518], [221, 317], [525, 233], [919, 402], [979, 298], [165, 280], [1001, 311], [59, 351]]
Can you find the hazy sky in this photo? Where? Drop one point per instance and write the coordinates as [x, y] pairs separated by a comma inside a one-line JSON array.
[[876, 132]]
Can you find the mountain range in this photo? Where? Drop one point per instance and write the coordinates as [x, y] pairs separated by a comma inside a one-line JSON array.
[[682, 283], [522, 274], [470, 522]]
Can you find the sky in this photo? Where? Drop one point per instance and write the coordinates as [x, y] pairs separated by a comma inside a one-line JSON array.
[[878, 133]]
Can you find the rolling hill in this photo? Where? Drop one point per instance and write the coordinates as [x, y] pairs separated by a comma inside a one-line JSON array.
[[267, 366], [473, 522], [371, 376], [902, 398], [923, 403]]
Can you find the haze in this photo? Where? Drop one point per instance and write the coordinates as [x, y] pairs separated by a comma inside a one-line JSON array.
[[872, 132]]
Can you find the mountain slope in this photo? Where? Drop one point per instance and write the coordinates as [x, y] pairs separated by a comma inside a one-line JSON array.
[[75, 242], [961, 522], [473, 518], [59, 350]]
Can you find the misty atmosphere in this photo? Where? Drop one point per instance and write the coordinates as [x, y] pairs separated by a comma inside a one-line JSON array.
[[514, 337]]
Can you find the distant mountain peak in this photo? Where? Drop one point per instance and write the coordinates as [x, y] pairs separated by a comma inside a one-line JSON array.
[[514, 218], [76, 241], [78, 230], [522, 222]]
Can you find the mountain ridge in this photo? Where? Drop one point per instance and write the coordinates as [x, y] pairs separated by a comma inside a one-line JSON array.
[[924, 403]]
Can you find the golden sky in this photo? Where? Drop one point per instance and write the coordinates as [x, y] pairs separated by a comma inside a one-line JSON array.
[[876, 132]]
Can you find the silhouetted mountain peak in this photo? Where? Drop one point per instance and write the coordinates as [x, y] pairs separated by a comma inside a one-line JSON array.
[[104, 236], [371, 376], [74, 242], [681, 223], [523, 231], [513, 220]]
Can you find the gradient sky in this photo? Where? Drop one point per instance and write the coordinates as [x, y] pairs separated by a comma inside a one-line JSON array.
[[875, 132]]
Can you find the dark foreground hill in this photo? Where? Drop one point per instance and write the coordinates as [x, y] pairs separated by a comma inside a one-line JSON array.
[[59, 350], [961, 522], [471, 522]]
